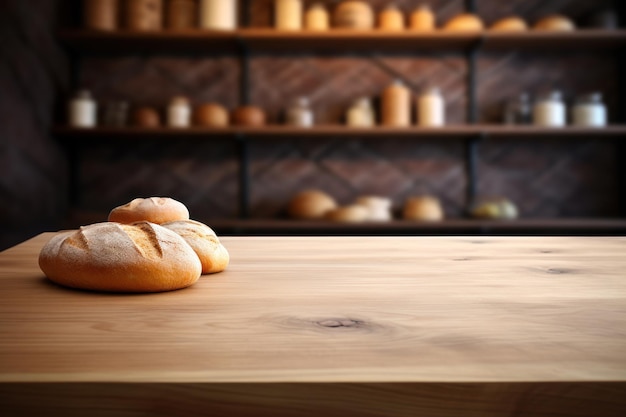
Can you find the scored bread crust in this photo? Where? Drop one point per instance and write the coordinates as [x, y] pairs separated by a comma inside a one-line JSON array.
[[114, 257], [157, 210], [213, 255]]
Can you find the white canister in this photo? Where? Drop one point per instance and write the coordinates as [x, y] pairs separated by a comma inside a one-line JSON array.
[[179, 112], [300, 114], [83, 110], [361, 114], [218, 14], [431, 108], [288, 14], [589, 111], [317, 17], [549, 111]]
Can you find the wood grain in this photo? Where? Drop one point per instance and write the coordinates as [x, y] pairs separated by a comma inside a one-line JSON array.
[[385, 326]]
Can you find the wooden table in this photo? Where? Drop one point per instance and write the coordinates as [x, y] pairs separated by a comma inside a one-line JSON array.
[[321, 326]]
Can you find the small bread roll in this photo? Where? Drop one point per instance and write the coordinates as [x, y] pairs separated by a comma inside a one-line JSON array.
[[555, 23], [114, 257], [310, 204], [154, 209], [379, 208], [510, 24], [350, 214], [249, 116], [211, 115], [203, 240], [464, 22], [425, 208]]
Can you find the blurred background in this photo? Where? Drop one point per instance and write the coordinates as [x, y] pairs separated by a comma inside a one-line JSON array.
[[48, 182]]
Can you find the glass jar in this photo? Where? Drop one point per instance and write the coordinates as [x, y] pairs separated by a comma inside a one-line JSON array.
[[288, 14], [144, 15], [361, 113], [179, 112], [300, 113], [115, 114], [317, 17], [431, 108], [518, 111], [549, 110], [396, 105], [218, 14], [589, 111], [83, 110], [423, 19], [181, 14], [100, 14]]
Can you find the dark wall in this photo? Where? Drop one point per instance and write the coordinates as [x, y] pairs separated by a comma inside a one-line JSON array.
[[33, 72]]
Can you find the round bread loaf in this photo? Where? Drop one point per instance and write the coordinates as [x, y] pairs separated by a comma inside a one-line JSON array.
[[154, 210], [349, 214], [510, 24], [557, 23], [464, 22], [310, 204], [424, 208], [203, 240], [114, 257]]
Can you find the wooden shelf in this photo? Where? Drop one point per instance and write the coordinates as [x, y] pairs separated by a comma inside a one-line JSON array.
[[338, 41], [338, 131]]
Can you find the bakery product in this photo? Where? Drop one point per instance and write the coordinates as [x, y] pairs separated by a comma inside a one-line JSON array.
[[423, 208], [211, 115], [154, 209], [310, 204], [349, 214], [510, 24], [556, 23], [464, 22], [203, 240], [379, 208], [114, 257], [249, 116]]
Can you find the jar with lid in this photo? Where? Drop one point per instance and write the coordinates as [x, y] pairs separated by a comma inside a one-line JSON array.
[[218, 14], [549, 110], [144, 15], [589, 111], [288, 14], [361, 113], [354, 15], [391, 18], [431, 108], [115, 114], [83, 110], [423, 19], [300, 113], [396, 105], [100, 14], [518, 111], [181, 14], [179, 112], [317, 17]]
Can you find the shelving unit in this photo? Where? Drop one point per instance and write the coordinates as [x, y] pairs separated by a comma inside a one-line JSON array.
[[244, 42]]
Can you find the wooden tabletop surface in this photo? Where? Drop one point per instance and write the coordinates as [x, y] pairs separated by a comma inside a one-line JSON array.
[[380, 311]]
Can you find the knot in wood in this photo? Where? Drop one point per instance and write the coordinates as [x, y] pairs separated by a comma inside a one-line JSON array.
[[332, 323]]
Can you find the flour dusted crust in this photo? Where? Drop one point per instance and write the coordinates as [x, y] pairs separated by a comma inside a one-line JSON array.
[[143, 257], [213, 255], [154, 209], [349, 214]]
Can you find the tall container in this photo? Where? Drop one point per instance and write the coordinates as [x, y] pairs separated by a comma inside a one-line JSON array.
[[549, 110], [317, 17], [181, 14], [218, 14], [100, 14], [83, 110], [396, 105], [431, 108], [144, 15], [288, 14]]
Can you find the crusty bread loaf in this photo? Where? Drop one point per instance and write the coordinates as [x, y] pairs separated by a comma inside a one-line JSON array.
[[349, 214], [558, 23], [114, 257], [510, 24], [154, 210], [464, 22], [423, 208], [204, 242], [310, 204]]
